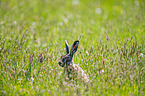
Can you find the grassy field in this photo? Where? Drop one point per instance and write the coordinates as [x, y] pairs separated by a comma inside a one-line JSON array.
[[111, 49]]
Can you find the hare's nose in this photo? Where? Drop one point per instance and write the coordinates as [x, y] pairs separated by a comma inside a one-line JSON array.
[[59, 63]]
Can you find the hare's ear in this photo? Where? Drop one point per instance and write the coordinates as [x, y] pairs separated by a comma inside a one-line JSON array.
[[74, 47], [67, 47]]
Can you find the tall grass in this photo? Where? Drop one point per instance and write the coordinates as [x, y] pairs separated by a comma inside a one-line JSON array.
[[111, 49]]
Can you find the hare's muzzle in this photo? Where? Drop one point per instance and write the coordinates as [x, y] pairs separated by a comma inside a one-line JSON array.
[[61, 64]]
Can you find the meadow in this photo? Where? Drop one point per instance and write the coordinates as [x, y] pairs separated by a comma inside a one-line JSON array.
[[111, 49]]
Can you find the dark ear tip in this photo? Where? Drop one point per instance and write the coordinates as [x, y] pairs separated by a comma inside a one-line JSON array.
[[77, 41]]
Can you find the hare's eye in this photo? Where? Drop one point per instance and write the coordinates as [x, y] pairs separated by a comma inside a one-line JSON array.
[[67, 57], [63, 59]]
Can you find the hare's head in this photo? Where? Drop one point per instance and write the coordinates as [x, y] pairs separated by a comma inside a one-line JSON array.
[[66, 60]]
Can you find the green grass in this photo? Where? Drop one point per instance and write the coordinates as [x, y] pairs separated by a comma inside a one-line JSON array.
[[111, 49]]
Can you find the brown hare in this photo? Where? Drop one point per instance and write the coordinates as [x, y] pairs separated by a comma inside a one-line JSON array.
[[71, 70]]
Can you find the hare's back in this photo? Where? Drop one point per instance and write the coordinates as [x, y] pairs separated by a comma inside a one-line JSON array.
[[81, 73]]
